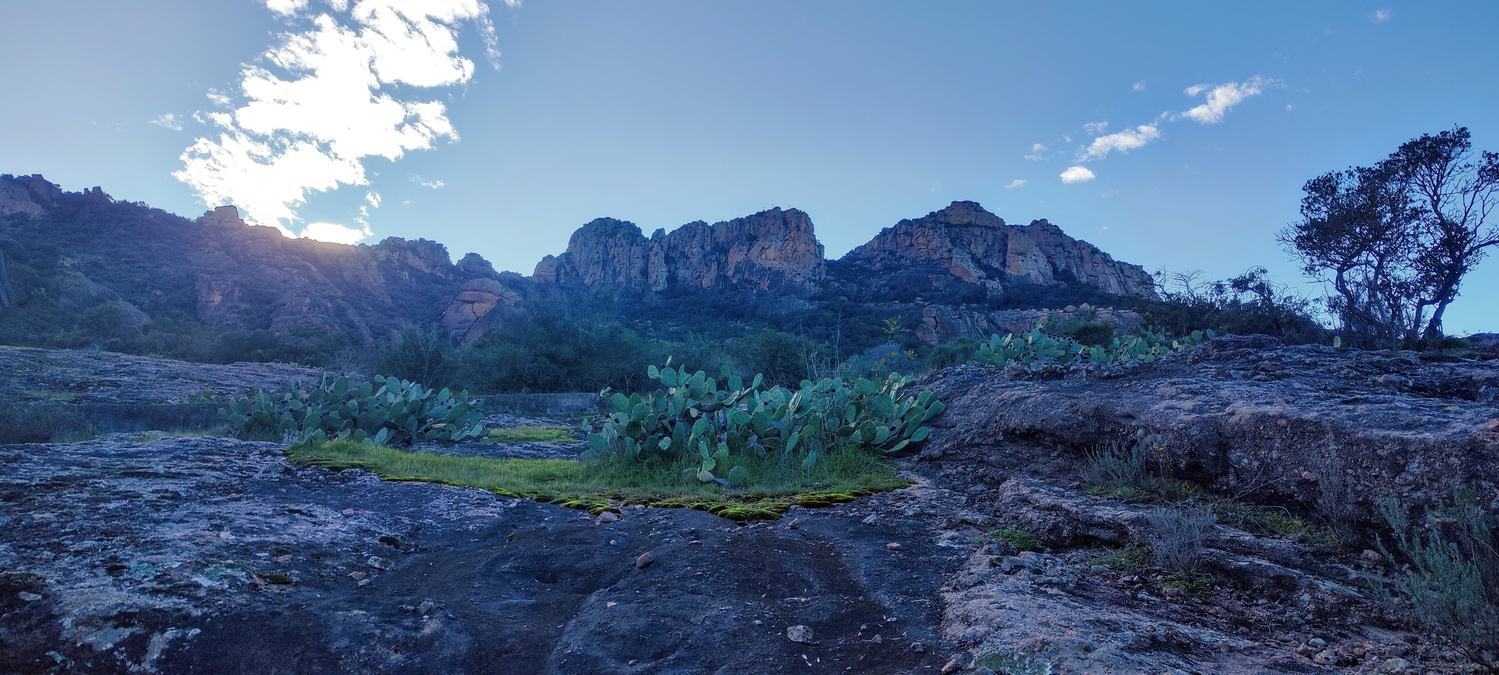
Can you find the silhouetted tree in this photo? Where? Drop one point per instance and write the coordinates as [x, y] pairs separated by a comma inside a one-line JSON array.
[[1396, 239]]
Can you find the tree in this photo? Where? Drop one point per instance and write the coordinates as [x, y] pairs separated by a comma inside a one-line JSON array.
[[1396, 239], [422, 355]]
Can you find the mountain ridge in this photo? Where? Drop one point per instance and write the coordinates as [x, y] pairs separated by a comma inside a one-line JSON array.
[[83, 251]]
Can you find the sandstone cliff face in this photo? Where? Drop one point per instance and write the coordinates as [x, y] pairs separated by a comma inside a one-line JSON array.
[[773, 250], [30, 195], [964, 245]]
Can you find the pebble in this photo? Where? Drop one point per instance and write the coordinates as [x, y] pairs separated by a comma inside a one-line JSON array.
[[347, 512], [871, 519], [952, 666], [380, 563], [1395, 665], [606, 517], [358, 575], [893, 546], [426, 607], [918, 647], [800, 634], [644, 560], [28, 596], [1317, 642]]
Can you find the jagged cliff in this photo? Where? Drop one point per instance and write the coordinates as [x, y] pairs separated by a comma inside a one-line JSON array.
[[773, 250], [63, 255], [964, 245]]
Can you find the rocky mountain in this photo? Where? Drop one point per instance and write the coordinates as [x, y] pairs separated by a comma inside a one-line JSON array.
[[772, 250], [965, 246], [81, 263]]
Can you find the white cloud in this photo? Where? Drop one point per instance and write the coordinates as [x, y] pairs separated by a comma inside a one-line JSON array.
[[168, 121], [434, 184], [1095, 128], [1290, 107], [1380, 16], [1223, 97], [285, 7], [1138, 86], [1018, 182], [1121, 141], [339, 89], [1077, 174], [1035, 154], [338, 234]]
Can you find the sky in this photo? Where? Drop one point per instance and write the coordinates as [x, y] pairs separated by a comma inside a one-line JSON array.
[[1174, 135]]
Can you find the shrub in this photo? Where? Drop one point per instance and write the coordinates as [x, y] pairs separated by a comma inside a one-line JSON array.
[[711, 420], [1124, 472], [41, 423], [423, 355], [1177, 535], [385, 410], [1451, 584], [1038, 346]]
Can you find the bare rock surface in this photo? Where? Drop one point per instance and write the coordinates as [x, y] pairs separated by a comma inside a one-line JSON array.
[[95, 376]]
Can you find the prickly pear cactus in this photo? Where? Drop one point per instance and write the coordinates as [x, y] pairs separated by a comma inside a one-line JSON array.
[[384, 410], [709, 420], [1039, 347]]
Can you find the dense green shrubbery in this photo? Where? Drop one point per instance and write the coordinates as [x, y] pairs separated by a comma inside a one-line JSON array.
[[1249, 304], [41, 423], [1039, 347], [384, 410], [713, 422]]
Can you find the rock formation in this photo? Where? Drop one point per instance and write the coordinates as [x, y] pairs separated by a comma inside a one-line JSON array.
[[964, 245], [773, 250]]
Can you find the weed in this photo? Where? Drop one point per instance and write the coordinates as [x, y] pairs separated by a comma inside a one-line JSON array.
[[1123, 472], [1008, 662], [1177, 535], [1128, 558], [1192, 585]]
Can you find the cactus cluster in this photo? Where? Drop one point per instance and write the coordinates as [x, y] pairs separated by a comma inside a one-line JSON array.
[[384, 410], [711, 421], [1040, 347]]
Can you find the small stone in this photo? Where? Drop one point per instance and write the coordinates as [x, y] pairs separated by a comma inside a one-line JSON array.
[[609, 603], [953, 665], [800, 634], [364, 582], [918, 647], [28, 596], [347, 512], [426, 607], [892, 546], [606, 517], [795, 524], [1395, 665], [1317, 642], [358, 575], [380, 563], [1326, 657], [871, 519], [1370, 556], [644, 560]]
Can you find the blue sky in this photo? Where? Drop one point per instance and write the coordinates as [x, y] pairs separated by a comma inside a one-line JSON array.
[[860, 113]]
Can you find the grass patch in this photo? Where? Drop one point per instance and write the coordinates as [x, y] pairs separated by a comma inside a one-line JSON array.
[[1193, 585], [1129, 558], [531, 434], [1130, 474], [770, 486], [1020, 539]]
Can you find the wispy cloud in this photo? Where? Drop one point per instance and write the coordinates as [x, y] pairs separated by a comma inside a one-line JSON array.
[[1077, 174], [1138, 86], [167, 121], [1121, 141], [1096, 128], [1035, 154], [1380, 15], [341, 87], [1222, 97], [433, 184], [1017, 183]]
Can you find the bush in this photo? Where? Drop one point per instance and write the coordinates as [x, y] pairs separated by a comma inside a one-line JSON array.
[[715, 422], [1039, 347], [1451, 584], [385, 410], [41, 423], [1124, 472], [1177, 535], [422, 355]]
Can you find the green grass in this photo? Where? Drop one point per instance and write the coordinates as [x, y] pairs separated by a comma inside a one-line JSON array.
[[771, 486], [531, 434], [1129, 558]]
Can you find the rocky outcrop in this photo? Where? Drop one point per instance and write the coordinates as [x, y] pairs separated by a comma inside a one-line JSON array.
[[1246, 415], [965, 247], [9, 294], [773, 250], [477, 306], [944, 323], [30, 195]]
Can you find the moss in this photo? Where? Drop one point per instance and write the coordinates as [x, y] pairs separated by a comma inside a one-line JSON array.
[[276, 578], [1128, 558], [1020, 539], [770, 489], [531, 434], [1193, 585]]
